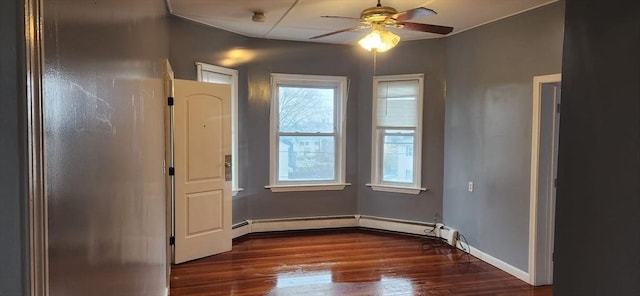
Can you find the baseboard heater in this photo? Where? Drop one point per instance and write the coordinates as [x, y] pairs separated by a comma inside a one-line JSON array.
[[345, 221]]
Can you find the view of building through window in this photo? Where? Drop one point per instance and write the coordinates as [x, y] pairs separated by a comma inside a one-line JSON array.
[[306, 133], [397, 162]]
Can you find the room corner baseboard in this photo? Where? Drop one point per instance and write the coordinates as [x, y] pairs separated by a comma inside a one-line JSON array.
[[506, 267]]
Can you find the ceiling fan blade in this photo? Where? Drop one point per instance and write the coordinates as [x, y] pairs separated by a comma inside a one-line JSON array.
[[444, 30], [411, 13], [339, 31], [341, 17]]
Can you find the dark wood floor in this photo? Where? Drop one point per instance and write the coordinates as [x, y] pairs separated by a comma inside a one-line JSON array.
[[345, 262]]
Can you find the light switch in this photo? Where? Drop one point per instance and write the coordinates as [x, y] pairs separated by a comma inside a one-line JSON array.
[[470, 187]]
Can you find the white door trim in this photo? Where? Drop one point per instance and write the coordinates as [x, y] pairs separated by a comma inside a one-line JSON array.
[[168, 162], [535, 154]]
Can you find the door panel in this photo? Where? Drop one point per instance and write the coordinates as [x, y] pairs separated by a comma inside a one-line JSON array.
[[202, 138], [204, 212], [205, 138]]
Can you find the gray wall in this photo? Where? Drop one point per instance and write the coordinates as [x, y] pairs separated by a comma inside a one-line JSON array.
[[104, 146], [596, 238], [409, 57], [13, 215], [490, 73], [481, 60], [295, 58]]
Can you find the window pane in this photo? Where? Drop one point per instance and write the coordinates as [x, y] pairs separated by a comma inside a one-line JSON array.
[[306, 109], [397, 158], [306, 158]]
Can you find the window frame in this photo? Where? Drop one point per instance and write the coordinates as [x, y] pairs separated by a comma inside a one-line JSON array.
[[204, 67], [377, 140], [340, 83]]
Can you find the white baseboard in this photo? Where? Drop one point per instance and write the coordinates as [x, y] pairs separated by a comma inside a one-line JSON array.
[[371, 222], [506, 267]]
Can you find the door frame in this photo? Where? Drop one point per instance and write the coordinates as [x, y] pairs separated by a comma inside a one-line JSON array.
[[548, 233], [37, 202], [168, 76]]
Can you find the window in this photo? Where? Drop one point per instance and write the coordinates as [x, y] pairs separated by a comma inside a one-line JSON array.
[[397, 133], [307, 132], [216, 74]]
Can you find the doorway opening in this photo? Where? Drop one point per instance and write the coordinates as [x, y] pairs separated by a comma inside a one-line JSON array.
[[544, 164]]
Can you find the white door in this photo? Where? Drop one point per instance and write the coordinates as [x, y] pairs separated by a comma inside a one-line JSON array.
[[202, 147]]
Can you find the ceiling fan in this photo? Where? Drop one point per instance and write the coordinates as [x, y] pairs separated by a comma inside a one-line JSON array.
[[379, 17]]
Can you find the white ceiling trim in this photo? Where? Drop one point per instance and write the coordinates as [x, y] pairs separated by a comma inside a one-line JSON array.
[[498, 19]]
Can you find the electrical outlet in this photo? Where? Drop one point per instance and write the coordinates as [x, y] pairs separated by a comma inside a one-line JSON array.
[[470, 187]]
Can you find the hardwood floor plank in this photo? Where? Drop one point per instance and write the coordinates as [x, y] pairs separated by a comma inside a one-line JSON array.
[[343, 262]]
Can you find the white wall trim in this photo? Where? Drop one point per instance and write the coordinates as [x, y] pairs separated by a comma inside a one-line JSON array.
[[535, 157], [506, 267], [309, 187], [396, 189]]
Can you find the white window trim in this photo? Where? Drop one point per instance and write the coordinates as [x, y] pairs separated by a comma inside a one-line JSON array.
[[201, 67], [341, 83], [376, 158]]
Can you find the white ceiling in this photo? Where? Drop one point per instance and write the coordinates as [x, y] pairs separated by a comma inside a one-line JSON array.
[[300, 19]]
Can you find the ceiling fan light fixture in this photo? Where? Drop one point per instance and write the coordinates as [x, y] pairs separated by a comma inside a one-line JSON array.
[[379, 40]]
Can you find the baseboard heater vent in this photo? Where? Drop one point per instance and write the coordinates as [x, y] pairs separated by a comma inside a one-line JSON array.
[[241, 224]]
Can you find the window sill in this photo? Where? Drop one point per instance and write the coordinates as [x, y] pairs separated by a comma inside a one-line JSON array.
[[396, 189], [308, 187], [235, 192]]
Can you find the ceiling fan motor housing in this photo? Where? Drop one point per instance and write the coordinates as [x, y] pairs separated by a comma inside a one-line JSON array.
[[378, 15]]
